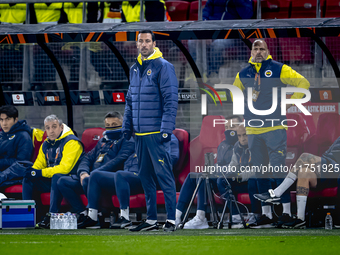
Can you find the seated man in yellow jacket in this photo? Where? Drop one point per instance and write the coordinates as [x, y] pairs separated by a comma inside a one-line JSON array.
[[59, 155]]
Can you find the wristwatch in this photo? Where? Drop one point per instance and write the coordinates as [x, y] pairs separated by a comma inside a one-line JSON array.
[[165, 135]]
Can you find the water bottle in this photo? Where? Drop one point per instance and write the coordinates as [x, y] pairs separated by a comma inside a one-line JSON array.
[[328, 221], [68, 220], [74, 221], [58, 221], [52, 221]]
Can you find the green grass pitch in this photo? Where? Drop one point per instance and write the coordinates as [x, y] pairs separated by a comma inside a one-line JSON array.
[[209, 241]]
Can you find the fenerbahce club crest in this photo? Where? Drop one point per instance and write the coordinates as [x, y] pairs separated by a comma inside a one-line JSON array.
[[232, 133], [268, 73], [149, 72]]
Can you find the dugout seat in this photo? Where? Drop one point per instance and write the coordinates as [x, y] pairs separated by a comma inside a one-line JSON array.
[[178, 10], [327, 131], [332, 9], [183, 138], [193, 11], [275, 9], [207, 141], [296, 136], [90, 138]]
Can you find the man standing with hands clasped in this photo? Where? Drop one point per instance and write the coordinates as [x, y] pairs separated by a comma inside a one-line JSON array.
[[267, 138], [150, 112]]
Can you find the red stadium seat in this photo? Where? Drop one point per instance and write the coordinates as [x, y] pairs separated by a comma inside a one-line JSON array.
[[332, 9], [45, 199], [304, 9], [14, 189], [296, 136], [178, 10], [183, 138], [275, 9], [193, 12], [243, 198], [327, 131], [90, 138], [208, 140]]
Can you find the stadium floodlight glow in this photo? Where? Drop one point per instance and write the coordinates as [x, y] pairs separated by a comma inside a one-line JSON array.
[[238, 100]]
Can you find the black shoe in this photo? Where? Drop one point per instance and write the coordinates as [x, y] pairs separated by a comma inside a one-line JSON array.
[[144, 226], [81, 217], [295, 223], [121, 223], [169, 227], [268, 197], [263, 222], [45, 223], [87, 223], [283, 219]]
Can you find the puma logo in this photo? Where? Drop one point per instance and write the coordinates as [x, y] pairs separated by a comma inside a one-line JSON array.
[[162, 161], [281, 153]]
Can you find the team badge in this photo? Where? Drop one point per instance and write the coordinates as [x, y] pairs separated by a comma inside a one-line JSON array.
[[232, 133], [149, 72], [33, 173], [268, 73]]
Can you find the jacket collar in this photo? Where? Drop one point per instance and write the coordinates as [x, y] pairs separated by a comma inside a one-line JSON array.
[[156, 54], [259, 65]]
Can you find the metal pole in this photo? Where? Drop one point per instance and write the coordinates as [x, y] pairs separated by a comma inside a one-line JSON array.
[[142, 11], [259, 13], [200, 10], [84, 12], [26, 67], [318, 62], [83, 59], [318, 9]]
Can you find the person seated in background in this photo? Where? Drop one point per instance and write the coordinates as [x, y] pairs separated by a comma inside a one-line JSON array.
[[59, 155], [310, 171], [15, 144], [121, 183], [224, 154], [108, 156]]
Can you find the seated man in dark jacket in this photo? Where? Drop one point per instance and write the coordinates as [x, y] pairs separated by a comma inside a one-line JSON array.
[[58, 156], [107, 157], [123, 183], [15, 144], [224, 154]]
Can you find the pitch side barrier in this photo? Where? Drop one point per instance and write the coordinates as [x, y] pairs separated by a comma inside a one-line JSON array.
[[177, 32]]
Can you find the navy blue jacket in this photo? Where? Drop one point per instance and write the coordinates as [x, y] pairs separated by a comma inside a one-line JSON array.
[[333, 153], [16, 145], [270, 74], [242, 154], [225, 151], [131, 164], [152, 98], [228, 9], [115, 154]]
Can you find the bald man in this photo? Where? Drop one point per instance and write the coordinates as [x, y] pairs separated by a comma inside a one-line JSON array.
[[267, 138]]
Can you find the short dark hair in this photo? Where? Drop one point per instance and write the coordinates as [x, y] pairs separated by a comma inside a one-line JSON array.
[[149, 32], [10, 111], [114, 115], [239, 118]]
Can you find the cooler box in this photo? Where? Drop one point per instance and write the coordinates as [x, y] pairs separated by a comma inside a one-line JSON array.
[[15, 214]]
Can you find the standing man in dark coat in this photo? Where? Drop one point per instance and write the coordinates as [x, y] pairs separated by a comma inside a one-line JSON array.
[[150, 112]]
